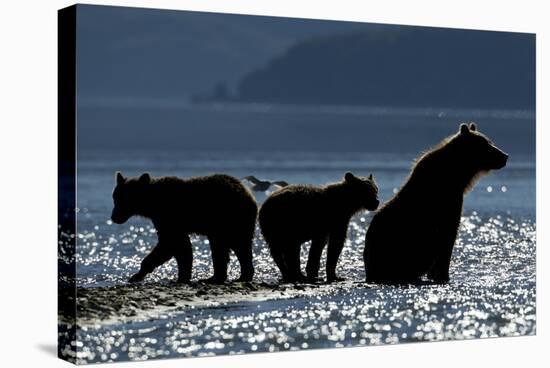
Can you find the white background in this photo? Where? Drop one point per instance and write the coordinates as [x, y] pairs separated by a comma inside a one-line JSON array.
[[28, 200]]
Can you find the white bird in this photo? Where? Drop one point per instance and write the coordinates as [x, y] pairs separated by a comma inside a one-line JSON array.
[[263, 185]]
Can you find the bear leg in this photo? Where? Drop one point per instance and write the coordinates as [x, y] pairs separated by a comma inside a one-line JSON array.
[[314, 258], [158, 256], [292, 261], [279, 259], [335, 246], [392, 274], [184, 258], [439, 272], [220, 259], [244, 255], [443, 249]]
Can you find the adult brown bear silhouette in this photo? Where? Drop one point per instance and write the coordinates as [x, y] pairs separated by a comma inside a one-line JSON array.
[[299, 213], [217, 206], [413, 234]]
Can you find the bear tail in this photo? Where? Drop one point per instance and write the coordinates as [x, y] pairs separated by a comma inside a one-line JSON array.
[[252, 216], [263, 220]]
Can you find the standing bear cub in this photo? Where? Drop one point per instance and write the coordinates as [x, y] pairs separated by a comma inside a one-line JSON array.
[[414, 233], [217, 206], [299, 213]]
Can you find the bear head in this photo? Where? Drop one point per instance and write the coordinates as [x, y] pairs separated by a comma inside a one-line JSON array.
[[127, 196], [364, 189], [477, 152]]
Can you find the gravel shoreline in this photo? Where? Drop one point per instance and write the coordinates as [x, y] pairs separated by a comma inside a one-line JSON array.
[[123, 303]]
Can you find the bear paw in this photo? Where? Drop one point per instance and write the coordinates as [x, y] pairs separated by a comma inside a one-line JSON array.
[[440, 280], [137, 277], [183, 280], [334, 278], [214, 280], [244, 279], [294, 279], [438, 277], [314, 279]]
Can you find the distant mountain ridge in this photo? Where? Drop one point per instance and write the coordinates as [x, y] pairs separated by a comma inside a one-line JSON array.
[[402, 66], [163, 55]]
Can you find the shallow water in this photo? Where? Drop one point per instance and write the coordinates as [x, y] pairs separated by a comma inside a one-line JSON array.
[[492, 293]]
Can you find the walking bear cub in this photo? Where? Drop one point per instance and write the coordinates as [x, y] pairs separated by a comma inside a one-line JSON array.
[[217, 206], [299, 213], [414, 233]]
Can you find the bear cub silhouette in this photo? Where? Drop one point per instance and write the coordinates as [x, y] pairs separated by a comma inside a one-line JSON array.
[[299, 213], [413, 234], [217, 206]]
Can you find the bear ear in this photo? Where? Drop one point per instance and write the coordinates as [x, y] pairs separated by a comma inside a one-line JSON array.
[[464, 128], [349, 177], [371, 177], [145, 178], [473, 126], [119, 178]]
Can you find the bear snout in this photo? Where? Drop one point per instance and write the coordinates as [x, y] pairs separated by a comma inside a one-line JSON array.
[[502, 161], [496, 158], [118, 218], [374, 205]]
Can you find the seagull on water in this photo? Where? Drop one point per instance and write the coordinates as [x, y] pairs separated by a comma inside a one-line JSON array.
[[263, 185]]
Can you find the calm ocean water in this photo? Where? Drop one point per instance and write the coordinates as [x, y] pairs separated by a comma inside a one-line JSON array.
[[492, 291]]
